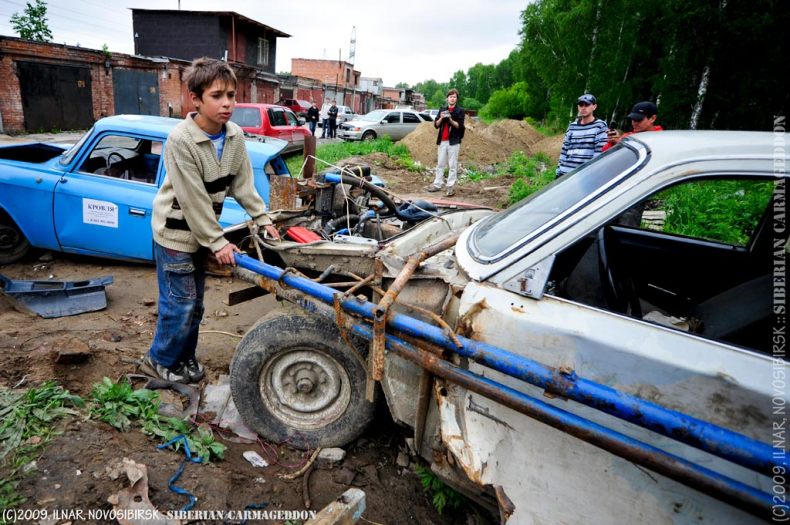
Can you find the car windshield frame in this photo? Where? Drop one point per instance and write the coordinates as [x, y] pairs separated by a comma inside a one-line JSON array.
[[241, 113], [70, 153], [501, 234]]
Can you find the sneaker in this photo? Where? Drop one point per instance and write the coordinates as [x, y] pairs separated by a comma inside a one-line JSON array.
[[450, 191], [177, 375], [194, 370], [433, 189]]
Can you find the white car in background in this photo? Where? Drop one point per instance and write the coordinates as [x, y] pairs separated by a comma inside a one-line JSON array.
[[394, 123]]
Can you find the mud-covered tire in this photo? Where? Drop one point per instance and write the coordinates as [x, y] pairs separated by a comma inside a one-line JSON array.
[[13, 243], [295, 380]]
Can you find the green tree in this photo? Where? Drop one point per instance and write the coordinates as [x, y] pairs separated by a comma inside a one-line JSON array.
[[32, 24], [402, 85], [471, 103], [512, 102]]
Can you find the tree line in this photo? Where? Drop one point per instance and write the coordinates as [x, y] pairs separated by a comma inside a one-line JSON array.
[[708, 64]]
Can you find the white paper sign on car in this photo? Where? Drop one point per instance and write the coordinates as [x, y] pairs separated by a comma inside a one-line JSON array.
[[101, 213]]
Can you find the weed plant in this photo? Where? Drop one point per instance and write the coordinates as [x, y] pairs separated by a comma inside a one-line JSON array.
[[27, 423], [332, 153], [440, 493]]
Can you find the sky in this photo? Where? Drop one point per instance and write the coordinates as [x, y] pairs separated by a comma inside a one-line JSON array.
[[407, 41]]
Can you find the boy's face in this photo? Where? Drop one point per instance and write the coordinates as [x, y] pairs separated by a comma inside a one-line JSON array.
[[217, 103], [452, 98]]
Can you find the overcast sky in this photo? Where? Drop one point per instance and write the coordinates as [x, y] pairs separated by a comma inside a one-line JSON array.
[[406, 41]]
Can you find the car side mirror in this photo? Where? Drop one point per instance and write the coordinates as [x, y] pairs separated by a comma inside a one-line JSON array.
[[384, 121], [302, 121]]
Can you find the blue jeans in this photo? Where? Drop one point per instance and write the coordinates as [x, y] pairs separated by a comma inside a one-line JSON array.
[[312, 127], [182, 279], [324, 127]]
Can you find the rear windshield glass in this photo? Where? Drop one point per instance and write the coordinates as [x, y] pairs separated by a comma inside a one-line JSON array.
[[246, 117], [501, 233]]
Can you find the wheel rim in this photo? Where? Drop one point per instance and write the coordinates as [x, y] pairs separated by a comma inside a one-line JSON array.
[[9, 238], [305, 388]]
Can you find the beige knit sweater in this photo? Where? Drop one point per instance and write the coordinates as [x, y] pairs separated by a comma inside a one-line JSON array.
[[188, 204]]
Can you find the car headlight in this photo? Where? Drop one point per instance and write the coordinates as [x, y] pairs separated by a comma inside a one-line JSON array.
[[357, 129]]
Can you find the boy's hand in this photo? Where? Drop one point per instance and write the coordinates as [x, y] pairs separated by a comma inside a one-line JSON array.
[[225, 255]]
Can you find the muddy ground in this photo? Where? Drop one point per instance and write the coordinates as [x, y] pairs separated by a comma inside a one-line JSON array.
[[72, 470]]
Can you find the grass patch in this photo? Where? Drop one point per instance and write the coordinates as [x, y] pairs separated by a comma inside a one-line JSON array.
[[119, 405], [442, 496], [720, 210], [28, 423], [531, 172], [332, 153]]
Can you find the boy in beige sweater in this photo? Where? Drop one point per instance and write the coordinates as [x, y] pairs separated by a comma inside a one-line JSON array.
[[206, 160]]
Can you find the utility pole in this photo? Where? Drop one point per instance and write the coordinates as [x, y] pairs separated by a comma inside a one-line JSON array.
[[352, 53]]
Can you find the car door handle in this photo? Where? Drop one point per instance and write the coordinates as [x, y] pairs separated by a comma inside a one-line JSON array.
[[137, 211]]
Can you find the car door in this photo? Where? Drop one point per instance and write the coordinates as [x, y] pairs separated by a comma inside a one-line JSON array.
[[410, 121], [297, 132], [103, 206], [281, 129], [712, 361], [392, 125]]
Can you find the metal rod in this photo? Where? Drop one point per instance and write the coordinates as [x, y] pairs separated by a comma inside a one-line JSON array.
[[697, 433], [728, 490]]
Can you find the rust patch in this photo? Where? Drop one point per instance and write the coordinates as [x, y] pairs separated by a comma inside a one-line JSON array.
[[518, 309], [282, 193], [465, 325], [505, 504]]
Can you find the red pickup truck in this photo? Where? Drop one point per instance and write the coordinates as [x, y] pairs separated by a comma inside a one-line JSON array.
[[272, 121]]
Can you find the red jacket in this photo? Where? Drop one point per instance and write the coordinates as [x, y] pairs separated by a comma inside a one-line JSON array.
[[611, 143]]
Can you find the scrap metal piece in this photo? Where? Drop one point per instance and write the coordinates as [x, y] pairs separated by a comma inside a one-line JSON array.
[[133, 501], [345, 510], [51, 299]]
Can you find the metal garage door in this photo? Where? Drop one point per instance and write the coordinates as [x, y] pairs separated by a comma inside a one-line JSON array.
[[136, 92], [55, 97]]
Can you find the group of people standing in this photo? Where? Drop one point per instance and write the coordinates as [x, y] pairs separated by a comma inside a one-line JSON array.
[[588, 136], [328, 116]]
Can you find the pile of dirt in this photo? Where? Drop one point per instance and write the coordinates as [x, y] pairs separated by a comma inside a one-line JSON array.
[[483, 145]]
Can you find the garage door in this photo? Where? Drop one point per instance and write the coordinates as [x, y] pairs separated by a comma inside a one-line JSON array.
[[136, 92], [55, 97]]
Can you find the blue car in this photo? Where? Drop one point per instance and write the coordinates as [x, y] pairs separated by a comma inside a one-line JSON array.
[[95, 197]]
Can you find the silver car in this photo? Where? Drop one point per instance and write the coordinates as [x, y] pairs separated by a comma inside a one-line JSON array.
[[394, 123]]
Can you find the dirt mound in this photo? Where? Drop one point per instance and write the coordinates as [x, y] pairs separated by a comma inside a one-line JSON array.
[[551, 146], [483, 145]]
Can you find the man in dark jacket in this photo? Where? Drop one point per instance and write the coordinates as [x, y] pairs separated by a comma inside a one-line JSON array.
[[450, 124], [332, 120], [312, 118]]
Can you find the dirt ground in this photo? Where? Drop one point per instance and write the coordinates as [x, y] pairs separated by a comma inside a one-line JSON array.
[[72, 471]]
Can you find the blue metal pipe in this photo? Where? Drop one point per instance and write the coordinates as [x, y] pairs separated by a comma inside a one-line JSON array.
[[697, 433]]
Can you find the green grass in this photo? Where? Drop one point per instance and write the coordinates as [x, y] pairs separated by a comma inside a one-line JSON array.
[[442, 496], [27, 423], [720, 210], [332, 153], [531, 173], [119, 405]]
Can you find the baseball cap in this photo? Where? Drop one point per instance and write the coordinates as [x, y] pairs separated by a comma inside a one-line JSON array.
[[587, 98], [642, 110]]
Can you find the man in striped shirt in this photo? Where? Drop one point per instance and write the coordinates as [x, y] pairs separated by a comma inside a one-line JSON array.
[[584, 138]]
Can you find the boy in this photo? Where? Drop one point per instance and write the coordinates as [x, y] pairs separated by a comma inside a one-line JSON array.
[[206, 159]]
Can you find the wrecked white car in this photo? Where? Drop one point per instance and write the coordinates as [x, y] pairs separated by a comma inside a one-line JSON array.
[[602, 352]]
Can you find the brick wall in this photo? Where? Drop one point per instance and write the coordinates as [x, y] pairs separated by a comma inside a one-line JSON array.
[[325, 71]]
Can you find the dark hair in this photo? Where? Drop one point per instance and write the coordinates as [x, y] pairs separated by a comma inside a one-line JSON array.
[[204, 71], [452, 91]]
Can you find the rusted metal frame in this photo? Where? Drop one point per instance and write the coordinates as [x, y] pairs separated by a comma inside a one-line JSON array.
[[421, 413], [367, 280], [717, 440], [657, 460], [382, 308], [674, 467]]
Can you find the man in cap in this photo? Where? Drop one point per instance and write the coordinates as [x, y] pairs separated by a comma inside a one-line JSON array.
[[584, 138], [643, 118]]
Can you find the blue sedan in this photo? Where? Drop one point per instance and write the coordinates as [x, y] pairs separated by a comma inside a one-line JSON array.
[[95, 197]]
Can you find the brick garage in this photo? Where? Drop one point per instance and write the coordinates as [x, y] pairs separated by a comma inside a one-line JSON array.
[[173, 100]]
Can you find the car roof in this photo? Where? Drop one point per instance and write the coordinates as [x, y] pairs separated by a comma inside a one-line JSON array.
[[668, 146], [137, 123], [256, 105]]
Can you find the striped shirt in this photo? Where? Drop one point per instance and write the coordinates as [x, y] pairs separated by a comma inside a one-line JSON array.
[[582, 142]]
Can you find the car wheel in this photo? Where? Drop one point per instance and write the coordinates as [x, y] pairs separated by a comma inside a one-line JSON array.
[[13, 243], [369, 135], [295, 380]]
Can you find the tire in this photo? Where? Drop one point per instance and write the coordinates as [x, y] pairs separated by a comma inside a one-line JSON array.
[[369, 135], [295, 380], [13, 243]]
